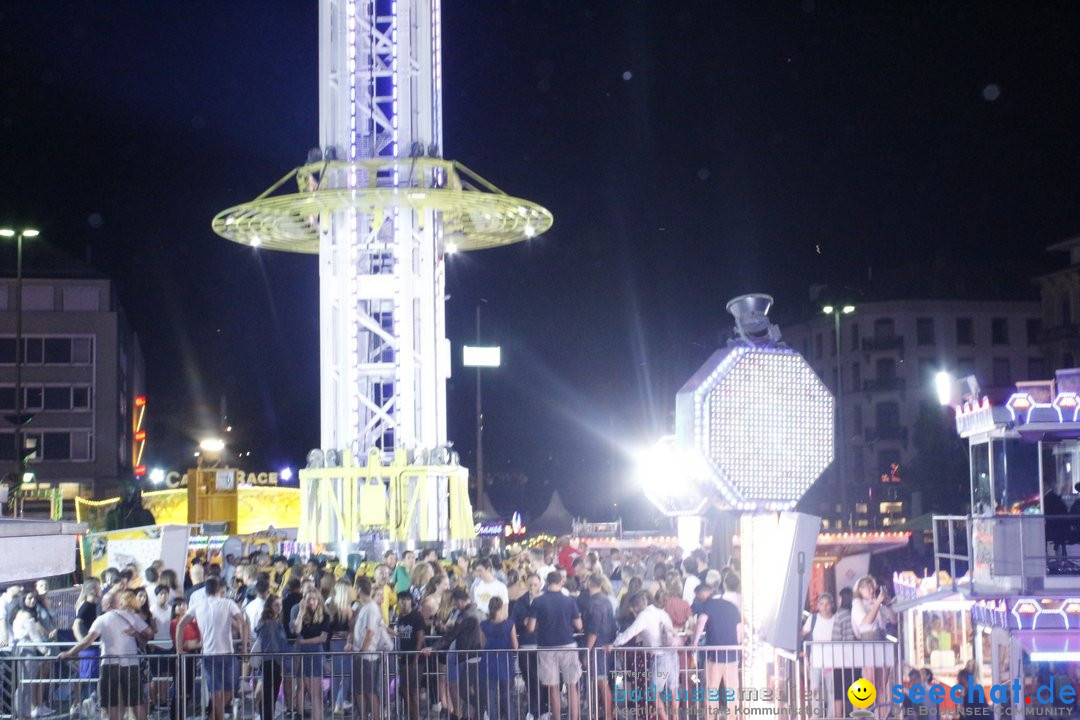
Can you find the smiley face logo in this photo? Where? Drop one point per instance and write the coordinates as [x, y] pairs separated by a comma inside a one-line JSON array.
[[862, 693]]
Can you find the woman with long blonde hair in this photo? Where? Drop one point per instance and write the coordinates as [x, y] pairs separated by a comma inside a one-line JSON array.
[[341, 611], [312, 627]]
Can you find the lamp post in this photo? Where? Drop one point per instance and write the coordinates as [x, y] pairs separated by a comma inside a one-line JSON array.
[[841, 435], [480, 357], [20, 451]]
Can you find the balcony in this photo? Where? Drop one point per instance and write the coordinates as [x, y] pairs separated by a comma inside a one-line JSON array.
[[886, 432], [883, 344], [886, 384], [1002, 554]]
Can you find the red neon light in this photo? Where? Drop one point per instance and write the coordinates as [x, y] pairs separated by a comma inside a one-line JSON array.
[[140, 436], [140, 470], [140, 401]]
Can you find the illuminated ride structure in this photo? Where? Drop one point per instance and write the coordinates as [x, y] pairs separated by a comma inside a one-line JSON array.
[[382, 210], [1006, 594], [753, 432]]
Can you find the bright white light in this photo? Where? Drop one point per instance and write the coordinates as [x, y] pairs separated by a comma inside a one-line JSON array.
[[228, 428], [828, 309], [1055, 656], [670, 476], [530, 230], [285, 474], [764, 422], [848, 309], [255, 241], [451, 248], [7, 232], [473, 356], [212, 445], [157, 476], [28, 477], [944, 384]]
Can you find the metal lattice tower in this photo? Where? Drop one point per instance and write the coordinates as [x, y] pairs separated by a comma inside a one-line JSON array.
[[382, 210]]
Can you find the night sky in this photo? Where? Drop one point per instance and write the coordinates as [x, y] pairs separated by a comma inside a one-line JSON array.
[[689, 151]]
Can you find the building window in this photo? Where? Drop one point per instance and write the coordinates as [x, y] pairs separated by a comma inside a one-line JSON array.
[[854, 336], [57, 446], [38, 298], [888, 508], [884, 329], [52, 350], [861, 508], [965, 366], [33, 398], [965, 331], [57, 351], [924, 331], [887, 416], [80, 398], [886, 369], [1002, 372], [81, 299], [1034, 327], [33, 350], [856, 376], [57, 398], [1037, 368], [999, 331], [856, 419], [926, 371]]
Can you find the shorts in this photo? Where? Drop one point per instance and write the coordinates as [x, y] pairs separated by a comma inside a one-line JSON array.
[[311, 662], [601, 663], [555, 661], [288, 660], [667, 663], [119, 685], [409, 672], [220, 672], [367, 676], [722, 656]]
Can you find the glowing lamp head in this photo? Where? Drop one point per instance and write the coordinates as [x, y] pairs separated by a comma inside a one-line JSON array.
[[944, 385], [671, 477], [1020, 402], [285, 474], [451, 248], [157, 476], [212, 445], [762, 420]]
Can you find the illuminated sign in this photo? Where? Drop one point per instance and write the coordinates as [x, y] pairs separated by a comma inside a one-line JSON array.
[[473, 356], [176, 479], [501, 528]]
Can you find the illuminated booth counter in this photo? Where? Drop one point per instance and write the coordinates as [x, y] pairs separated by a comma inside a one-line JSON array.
[[937, 629]]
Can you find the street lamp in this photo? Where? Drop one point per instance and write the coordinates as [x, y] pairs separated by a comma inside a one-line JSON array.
[[841, 435], [480, 357], [20, 451]]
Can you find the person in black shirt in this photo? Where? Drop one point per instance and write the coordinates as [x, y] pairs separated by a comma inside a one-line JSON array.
[[467, 640], [291, 599], [411, 629], [312, 627], [538, 701], [555, 617], [598, 619]]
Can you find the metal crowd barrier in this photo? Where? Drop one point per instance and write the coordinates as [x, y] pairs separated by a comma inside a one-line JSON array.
[[489, 684], [831, 667]]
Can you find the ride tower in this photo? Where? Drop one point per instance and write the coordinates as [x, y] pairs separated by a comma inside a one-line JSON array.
[[382, 209]]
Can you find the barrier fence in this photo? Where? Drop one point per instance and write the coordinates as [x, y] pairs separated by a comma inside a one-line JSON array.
[[669, 682]]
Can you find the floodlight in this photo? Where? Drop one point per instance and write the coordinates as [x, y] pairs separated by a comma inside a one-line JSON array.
[[828, 309], [212, 445], [285, 474], [848, 309], [157, 476], [671, 477], [30, 232], [944, 384], [451, 248], [7, 232]]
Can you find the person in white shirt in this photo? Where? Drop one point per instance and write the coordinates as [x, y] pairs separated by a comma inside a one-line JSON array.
[[653, 629], [541, 568], [218, 617], [487, 587], [119, 687], [161, 609], [819, 628], [254, 609]]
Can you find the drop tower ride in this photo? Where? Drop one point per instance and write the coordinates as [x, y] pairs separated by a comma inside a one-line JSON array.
[[382, 209]]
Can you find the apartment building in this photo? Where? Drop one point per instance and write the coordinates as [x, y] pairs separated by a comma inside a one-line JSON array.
[[82, 372], [889, 353]]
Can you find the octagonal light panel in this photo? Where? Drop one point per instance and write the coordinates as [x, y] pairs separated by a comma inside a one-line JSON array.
[[763, 421]]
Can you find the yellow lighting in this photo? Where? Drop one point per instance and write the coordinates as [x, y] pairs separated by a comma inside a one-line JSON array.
[[212, 445]]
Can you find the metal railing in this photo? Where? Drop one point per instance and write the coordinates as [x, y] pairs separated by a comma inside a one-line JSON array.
[[1024, 553], [568, 682], [831, 667]]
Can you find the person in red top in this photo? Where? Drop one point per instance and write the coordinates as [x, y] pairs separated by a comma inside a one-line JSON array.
[[191, 644], [567, 555]]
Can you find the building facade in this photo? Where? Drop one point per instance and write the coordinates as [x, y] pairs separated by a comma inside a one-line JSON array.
[[889, 354], [1060, 293], [82, 372]]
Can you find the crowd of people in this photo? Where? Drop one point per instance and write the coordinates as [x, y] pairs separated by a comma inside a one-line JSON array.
[[493, 635]]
